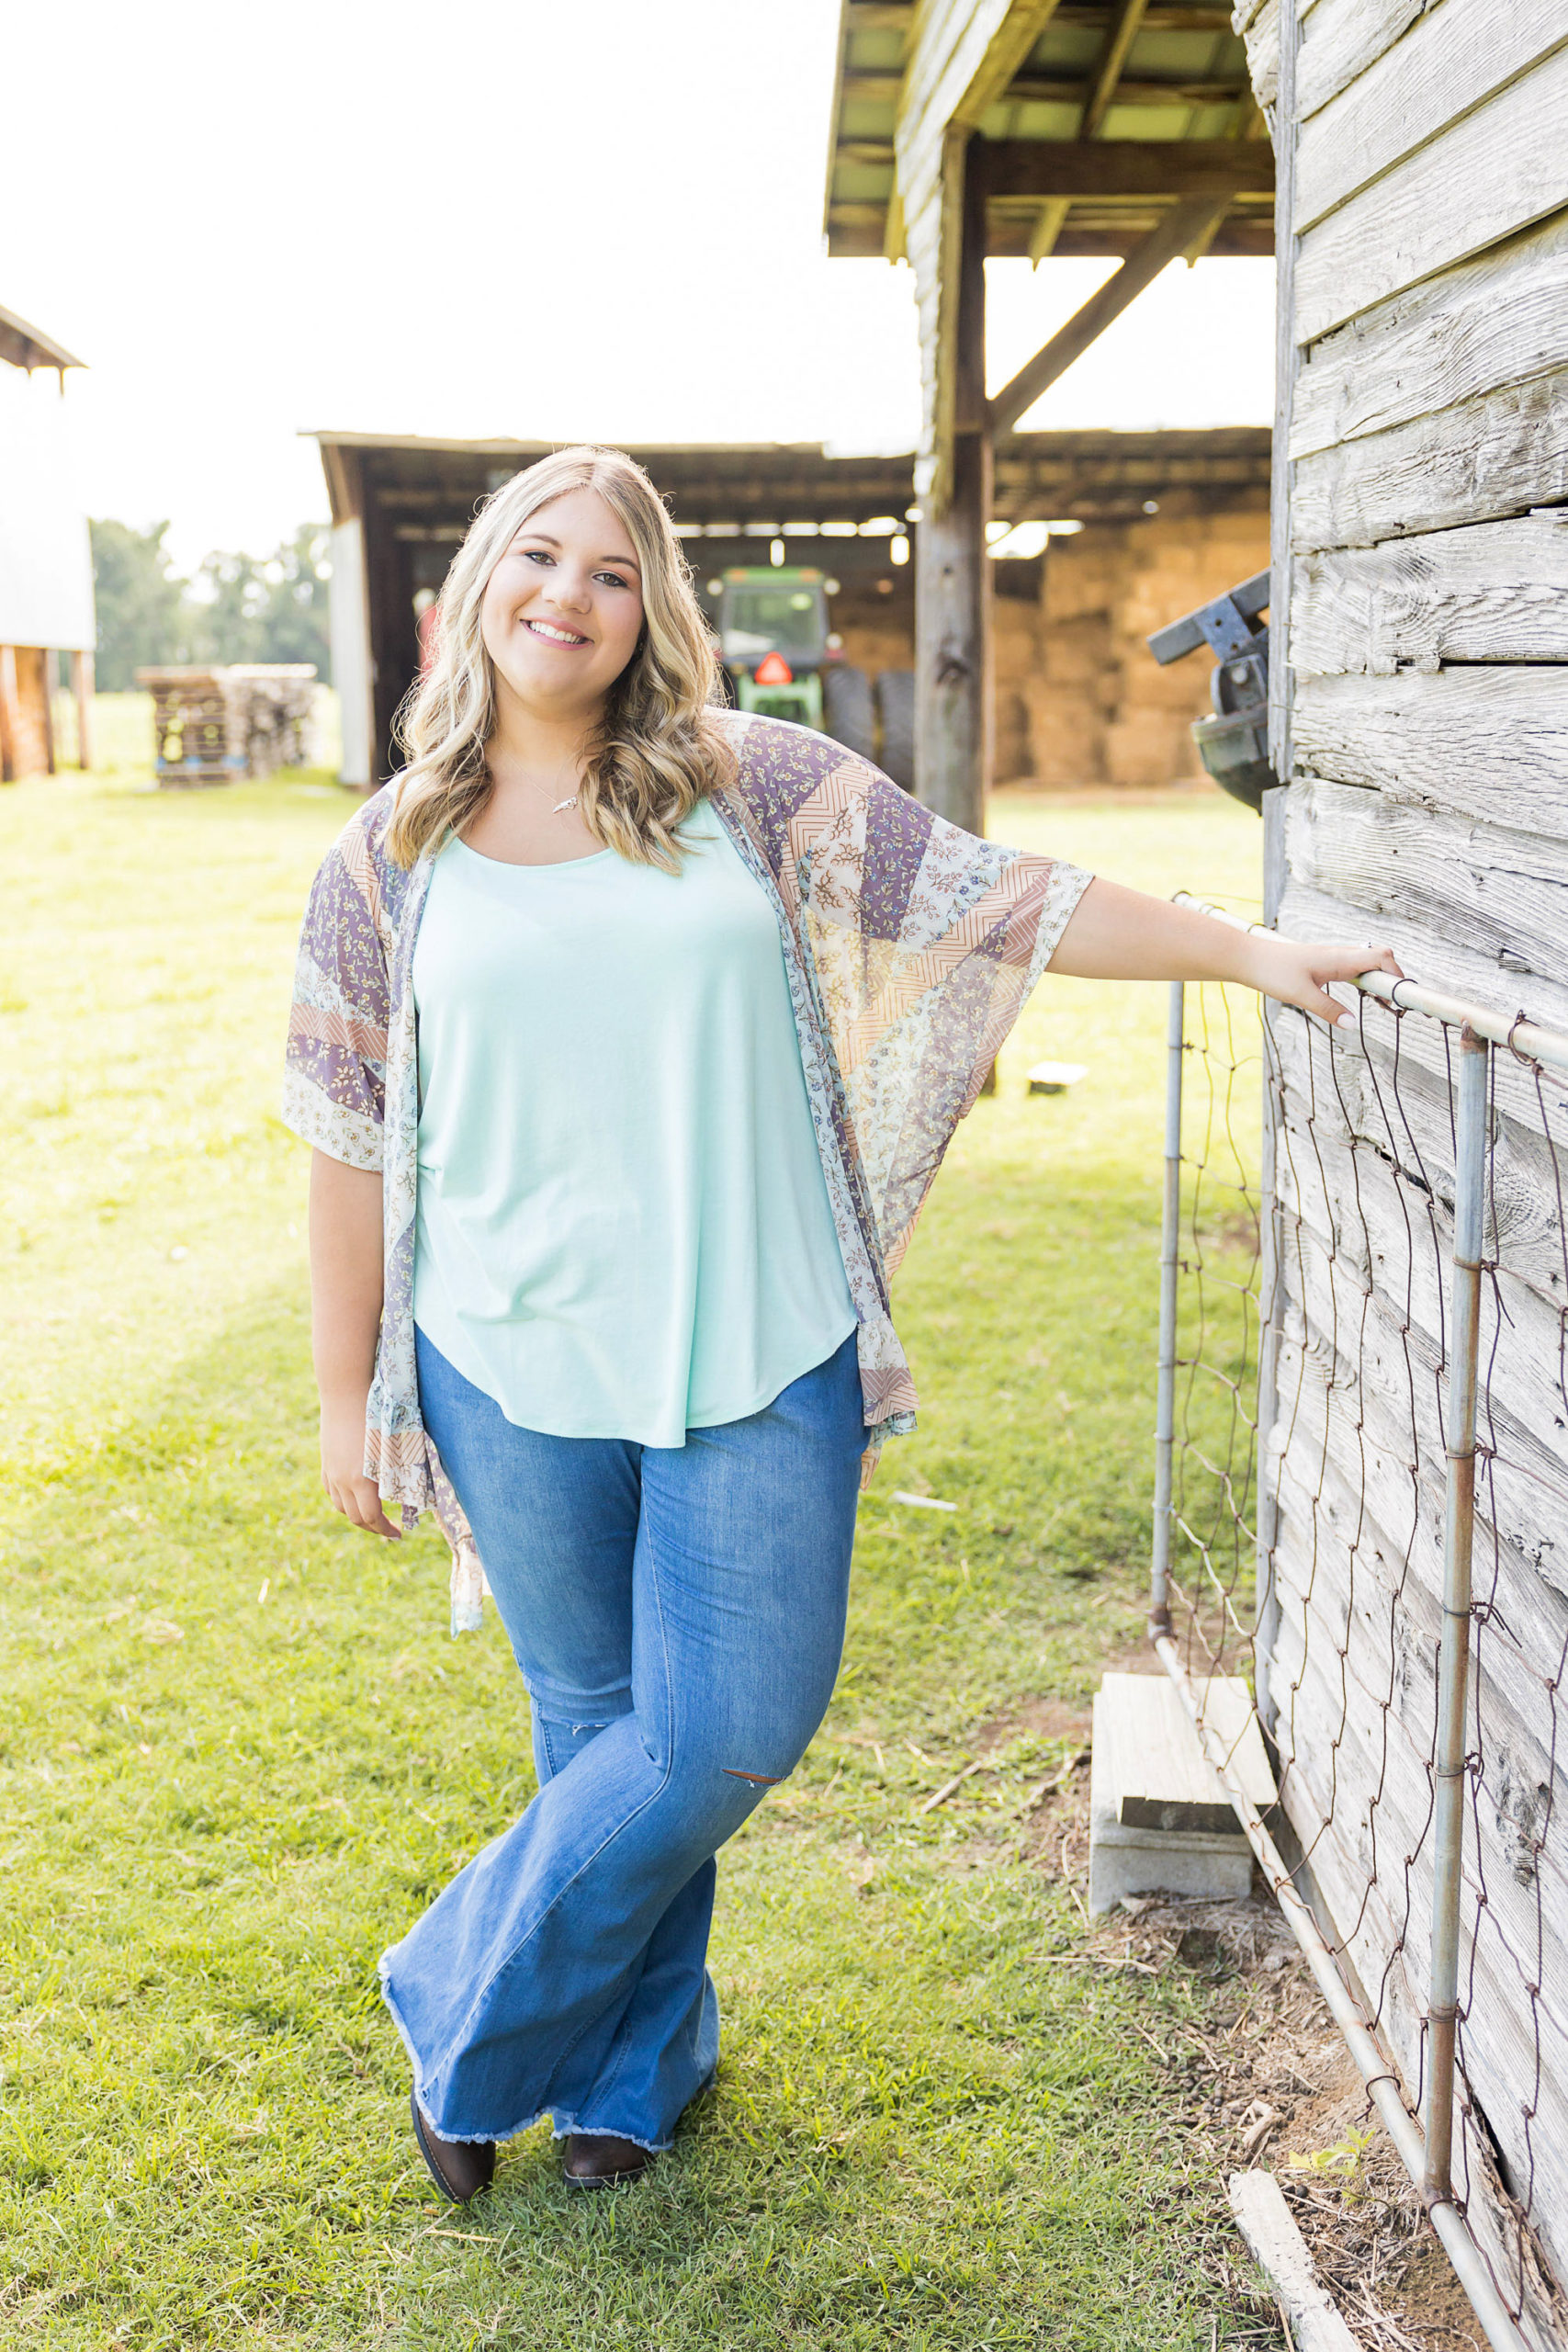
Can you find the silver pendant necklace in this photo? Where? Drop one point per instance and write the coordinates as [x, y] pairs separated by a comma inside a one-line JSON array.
[[564, 804]]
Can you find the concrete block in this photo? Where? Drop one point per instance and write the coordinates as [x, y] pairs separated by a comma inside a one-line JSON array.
[[1157, 1814]]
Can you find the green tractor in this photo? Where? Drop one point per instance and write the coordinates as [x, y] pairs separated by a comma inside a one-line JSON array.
[[781, 658], [773, 627]]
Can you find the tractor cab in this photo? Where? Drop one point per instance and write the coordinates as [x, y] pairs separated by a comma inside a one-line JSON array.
[[772, 627]]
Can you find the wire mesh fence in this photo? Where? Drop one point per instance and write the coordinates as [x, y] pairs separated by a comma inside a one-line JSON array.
[[1362, 1510]]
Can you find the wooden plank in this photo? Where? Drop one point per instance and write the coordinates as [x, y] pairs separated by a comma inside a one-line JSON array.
[[1499, 320], [1372, 1711], [1448, 62], [1499, 2052], [1339, 39], [1311, 2316], [1131, 167], [1374, 1288], [1488, 591], [1374, 1788], [1262, 37], [1529, 1106], [1347, 1458], [1510, 160], [1501, 454], [1404, 1113], [82, 690], [1500, 896], [1335, 1733], [1483, 742], [1052, 90], [1287, 367], [1156, 1772]]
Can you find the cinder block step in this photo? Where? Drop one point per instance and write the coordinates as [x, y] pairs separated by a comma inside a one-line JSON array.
[[1159, 1820]]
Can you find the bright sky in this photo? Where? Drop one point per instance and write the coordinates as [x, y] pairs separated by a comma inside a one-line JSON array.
[[600, 220]]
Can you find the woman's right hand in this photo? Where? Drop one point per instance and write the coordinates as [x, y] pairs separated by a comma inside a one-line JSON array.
[[343, 1467]]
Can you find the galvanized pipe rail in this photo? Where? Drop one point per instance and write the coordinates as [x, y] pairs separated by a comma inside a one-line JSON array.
[[1427, 2155]]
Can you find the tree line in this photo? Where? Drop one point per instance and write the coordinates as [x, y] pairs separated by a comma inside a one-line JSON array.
[[234, 607]]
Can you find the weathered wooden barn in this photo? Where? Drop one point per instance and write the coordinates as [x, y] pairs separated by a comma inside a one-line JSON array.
[[46, 566], [1420, 535], [1413, 151], [1143, 519]]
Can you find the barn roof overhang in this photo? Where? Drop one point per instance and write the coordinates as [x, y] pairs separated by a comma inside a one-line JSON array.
[[1083, 476], [1120, 87], [965, 129], [28, 346]]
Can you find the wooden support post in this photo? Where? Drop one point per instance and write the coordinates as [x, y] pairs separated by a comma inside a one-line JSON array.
[[47, 670], [82, 689], [952, 586], [10, 716]]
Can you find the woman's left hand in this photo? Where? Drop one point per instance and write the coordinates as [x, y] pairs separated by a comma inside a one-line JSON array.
[[1296, 972]]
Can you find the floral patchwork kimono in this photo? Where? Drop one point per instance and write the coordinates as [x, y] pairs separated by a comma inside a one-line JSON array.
[[910, 947]]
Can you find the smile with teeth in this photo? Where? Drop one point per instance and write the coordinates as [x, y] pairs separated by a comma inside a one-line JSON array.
[[554, 636]]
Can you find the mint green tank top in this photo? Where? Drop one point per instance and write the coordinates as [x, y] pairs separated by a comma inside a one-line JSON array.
[[623, 1229]]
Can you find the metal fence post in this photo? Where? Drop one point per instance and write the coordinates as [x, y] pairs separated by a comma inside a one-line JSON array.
[[1453, 1657], [1165, 1393]]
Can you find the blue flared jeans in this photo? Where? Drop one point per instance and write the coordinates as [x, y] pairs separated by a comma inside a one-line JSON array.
[[677, 1613]]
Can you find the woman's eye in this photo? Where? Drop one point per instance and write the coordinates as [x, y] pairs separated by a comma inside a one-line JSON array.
[[537, 555], [614, 580]]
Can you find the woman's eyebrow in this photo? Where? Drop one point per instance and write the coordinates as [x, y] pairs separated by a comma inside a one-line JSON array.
[[628, 562]]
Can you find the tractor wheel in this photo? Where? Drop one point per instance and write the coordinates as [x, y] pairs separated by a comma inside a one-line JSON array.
[[895, 699], [849, 715]]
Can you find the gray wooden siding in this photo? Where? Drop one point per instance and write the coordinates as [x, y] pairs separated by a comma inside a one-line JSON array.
[[1426, 514]]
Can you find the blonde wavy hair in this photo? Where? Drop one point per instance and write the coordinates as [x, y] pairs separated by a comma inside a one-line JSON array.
[[659, 749]]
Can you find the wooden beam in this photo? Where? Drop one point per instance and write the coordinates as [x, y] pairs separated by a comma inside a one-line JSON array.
[[1046, 89], [952, 575], [1312, 2318], [881, 15], [82, 689], [1181, 224], [1048, 228], [881, 89], [10, 717], [1119, 42], [1113, 57], [1091, 18], [1128, 167]]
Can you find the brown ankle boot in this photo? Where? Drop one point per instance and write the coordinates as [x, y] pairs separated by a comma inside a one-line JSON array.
[[460, 2168], [594, 2160]]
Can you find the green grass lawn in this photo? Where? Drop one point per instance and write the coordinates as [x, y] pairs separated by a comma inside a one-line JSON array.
[[239, 1751]]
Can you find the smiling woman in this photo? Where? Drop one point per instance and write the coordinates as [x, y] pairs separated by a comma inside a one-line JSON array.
[[571, 654], [630, 1032]]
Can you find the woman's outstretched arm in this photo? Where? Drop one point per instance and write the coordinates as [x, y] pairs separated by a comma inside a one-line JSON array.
[[345, 1320], [1120, 935]]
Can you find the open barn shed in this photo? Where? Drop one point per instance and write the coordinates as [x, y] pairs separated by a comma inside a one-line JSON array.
[[1144, 524], [46, 565], [963, 129]]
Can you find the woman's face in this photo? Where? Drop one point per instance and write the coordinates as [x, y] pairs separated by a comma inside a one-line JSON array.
[[563, 607]]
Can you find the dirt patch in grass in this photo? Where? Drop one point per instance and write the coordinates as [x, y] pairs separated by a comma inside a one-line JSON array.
[[1263, 2079]]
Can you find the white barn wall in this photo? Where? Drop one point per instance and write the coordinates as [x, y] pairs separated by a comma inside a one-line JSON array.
[[46, 566]]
